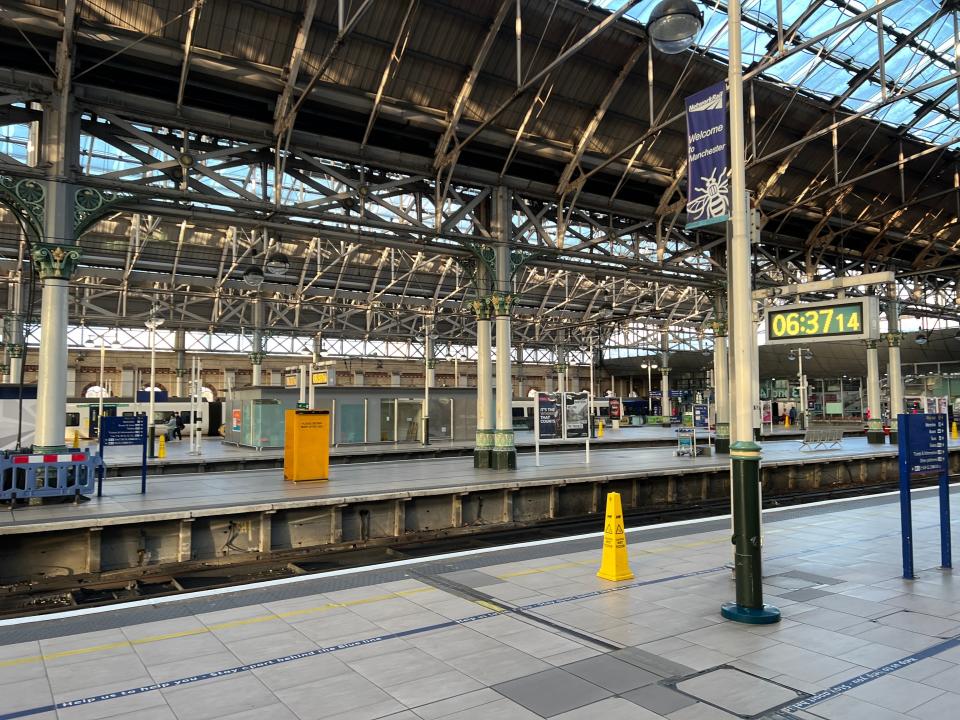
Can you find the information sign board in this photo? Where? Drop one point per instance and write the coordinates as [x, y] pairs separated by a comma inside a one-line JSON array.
[[700, 416], [615, 410], [548, 414], [846, 319], [576, 416], [923, 449], [125, 430], [291, 380]]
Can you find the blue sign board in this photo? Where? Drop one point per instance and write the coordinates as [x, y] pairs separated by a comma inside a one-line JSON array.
[[708, 157], [700, 418], [126, 430], [923, 448]]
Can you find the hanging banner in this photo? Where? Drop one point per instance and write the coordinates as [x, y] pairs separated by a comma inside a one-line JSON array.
[[708, 157]]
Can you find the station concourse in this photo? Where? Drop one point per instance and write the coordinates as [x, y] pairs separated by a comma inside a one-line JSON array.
[[432, 359]]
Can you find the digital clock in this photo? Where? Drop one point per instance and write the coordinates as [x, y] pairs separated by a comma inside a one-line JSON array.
[[853, 319]]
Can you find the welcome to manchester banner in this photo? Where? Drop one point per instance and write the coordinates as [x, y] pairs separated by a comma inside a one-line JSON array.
[[708, 157]]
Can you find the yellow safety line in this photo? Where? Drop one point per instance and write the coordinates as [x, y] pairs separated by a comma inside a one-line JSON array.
[[211, 628], [490, 606]]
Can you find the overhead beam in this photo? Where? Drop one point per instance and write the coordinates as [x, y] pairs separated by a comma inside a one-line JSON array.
[[588, 132], [188, 49]]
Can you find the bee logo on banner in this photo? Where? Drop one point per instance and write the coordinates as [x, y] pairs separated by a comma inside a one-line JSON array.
[[708, 157]]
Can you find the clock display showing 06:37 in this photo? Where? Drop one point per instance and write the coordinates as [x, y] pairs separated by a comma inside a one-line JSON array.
[[825, 320]]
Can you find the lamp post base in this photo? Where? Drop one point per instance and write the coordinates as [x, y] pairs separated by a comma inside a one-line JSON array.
[[766, 615]]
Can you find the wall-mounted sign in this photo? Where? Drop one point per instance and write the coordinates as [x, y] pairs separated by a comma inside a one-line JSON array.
[[847, 319], [319, 377]]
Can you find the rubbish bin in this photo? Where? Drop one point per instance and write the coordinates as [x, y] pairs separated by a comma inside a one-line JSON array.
[[306, 453]]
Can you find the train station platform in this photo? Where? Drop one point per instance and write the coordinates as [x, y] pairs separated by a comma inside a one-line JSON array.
[[190, 520], [216, 455], [528, 631], [174, 496]]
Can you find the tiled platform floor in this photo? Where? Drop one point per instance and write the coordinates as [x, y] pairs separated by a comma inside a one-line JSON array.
[[196, 491], [525, 633]]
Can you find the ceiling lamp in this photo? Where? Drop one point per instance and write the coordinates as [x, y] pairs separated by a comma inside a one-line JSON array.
[[674, 24], [253, 276], [921, 338], [278, 264]]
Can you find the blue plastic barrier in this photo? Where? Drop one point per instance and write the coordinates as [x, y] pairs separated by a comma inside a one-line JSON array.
[[69, 474]]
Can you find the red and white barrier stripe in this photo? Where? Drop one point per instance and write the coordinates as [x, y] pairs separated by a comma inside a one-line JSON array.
[[41, 459]]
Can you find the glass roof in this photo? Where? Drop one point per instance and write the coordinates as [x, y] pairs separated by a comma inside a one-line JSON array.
[[917, 44]]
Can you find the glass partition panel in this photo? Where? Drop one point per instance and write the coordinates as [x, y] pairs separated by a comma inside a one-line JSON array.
[[408, 417], [388, 420], [350, 417], [440, 422]]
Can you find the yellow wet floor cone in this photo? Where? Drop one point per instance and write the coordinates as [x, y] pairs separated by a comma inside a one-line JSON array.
[[614, 565], [76, 439], [162, 450], [786, 422], [954, 433]]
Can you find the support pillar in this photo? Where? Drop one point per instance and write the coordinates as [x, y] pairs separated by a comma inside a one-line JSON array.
[[504, 451], [16, 353], [755, 403], [429, 378], [666, 406], [256, 352], [748, 605], [894, 373], [721, 374], [484, 447], [55, 264], [874, 423], [179, 346]]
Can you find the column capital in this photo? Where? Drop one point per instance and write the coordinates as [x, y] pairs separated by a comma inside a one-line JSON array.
[[870, 344], [719, 326], [4, 369], [894, 339], [665, 370], [502, 303], [16, 350], [57, 262], [431, 363], [256, 358], [481, 308]]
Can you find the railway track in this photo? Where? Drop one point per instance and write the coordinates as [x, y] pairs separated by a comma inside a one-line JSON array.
[[64, 593]]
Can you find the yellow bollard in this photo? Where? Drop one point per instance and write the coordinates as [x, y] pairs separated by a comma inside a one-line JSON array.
[[954, 432], [614, 564], [162, 450], [786, 422], [600, 429], [76, 439]]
